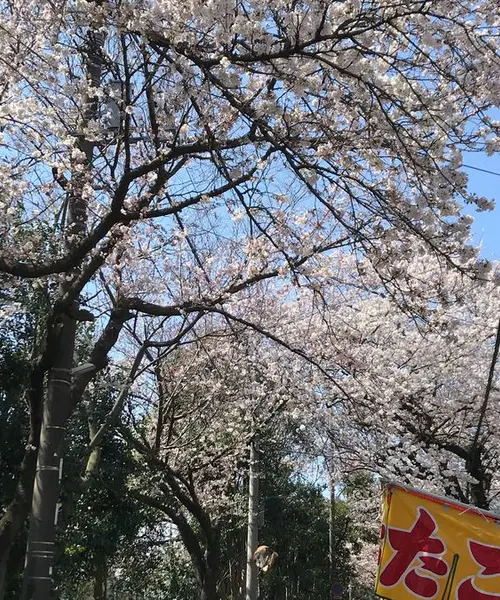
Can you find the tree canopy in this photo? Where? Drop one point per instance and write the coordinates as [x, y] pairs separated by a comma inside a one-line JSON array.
[[224, 218]]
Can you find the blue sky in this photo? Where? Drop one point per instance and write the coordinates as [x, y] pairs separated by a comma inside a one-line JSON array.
[[486, 228]]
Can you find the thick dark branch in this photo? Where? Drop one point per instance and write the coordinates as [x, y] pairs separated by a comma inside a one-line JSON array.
[[186, 532], [114, 216], [489, 385], [99, 354]]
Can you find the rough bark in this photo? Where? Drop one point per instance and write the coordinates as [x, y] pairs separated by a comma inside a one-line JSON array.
[[3, 573], [100, 579], [17, 511]]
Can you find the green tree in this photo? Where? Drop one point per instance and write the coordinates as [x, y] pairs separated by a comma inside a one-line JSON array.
[[14, 418], [21, 380], [295, 523], [100, 517]]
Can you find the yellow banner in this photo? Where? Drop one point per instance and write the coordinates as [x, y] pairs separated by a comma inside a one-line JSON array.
[[437, 549]]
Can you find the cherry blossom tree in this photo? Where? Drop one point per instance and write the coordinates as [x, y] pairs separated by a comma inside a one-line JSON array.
[[425, 389], [212, 398], [410, 382], [395, 379], [421, 401], [161, 158]]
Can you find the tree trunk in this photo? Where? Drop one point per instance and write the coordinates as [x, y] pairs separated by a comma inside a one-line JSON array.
[[40, 550], [100, 579], [17, 512], [3, 572], [209, 588], [212, 555], [205, 558]]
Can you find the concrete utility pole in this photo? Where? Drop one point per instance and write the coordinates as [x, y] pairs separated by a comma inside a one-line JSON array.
[[331, 529], [252, 582]]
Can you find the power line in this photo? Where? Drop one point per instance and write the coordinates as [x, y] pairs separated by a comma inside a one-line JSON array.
[[482, 170]]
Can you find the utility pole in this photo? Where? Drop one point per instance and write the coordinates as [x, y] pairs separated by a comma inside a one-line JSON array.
[[57, 406], [331, 529], [252, 581]]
